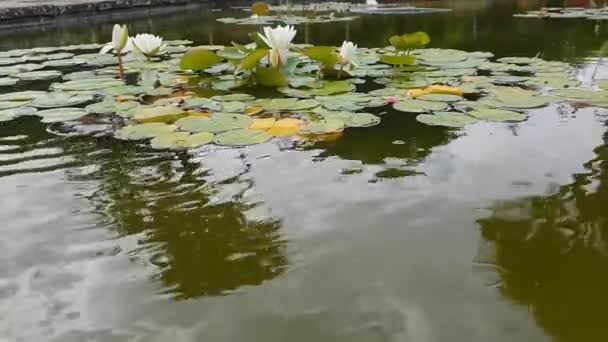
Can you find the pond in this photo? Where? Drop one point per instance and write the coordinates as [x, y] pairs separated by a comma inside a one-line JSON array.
[[401, 231]]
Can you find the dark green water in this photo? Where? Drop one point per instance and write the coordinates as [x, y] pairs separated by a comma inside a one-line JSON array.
[[491, 233]]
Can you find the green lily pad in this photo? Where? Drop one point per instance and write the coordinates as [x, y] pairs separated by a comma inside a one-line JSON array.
[[64, 63], [226, 85], [12, 104], [233, 107], [198, 59], [419, 106], [61, 114], [159, 114], [441, 98], [216, 124], [446, 119], [38, 75], [514, 102], [181, 140], [7, 81], [361, 120], [111, 106], [26, 95], [58, 99], [580, 94], [242, 137], [144, 131], [499, 115], [87, 84], [201, 102], [125, 90], [9, 114], [234, 97], [325, 126]]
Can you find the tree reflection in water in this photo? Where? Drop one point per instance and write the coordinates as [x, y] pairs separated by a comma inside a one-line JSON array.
[[552, 256], [203, 244]]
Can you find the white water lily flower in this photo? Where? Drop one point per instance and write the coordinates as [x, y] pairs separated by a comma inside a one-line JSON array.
[[347, 53], [148, 45], [120, 38], [279, 40], [371, 3]]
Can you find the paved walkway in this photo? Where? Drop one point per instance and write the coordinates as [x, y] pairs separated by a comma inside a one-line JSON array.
[[22, 9]]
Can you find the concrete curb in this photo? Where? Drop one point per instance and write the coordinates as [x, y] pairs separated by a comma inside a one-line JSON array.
[[48, 9]]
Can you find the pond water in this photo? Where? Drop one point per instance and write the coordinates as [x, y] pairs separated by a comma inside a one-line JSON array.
[[397, 232]]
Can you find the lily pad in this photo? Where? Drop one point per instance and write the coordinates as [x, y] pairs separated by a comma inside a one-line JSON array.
[[38, 75], [9, 114], [201, 102], [26, 95], [499, 115], [59, 99], [242, 137], [181, 140], [446, 119], [441, 97], [12, 104], [7, 81], [419, 106], [216, 124], [159, 114], [87, 84], [61, 114], [262, 124], [514, 102], [325, 126], [110, 106], [144, 131], [286, 127], [234, 97]]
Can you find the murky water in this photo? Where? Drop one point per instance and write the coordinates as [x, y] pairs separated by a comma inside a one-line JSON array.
[[399, 232]]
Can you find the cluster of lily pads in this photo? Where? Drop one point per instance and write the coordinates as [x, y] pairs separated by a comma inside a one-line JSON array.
[[567, 13], [181, 97], [312, 13]]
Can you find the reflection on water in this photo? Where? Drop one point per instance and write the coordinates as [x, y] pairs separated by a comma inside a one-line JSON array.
[[202, 245], [552, 253]]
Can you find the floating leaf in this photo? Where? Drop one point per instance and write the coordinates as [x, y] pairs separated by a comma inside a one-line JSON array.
[[286, 127], [262, 124], [124, 108], [441, 97], [242, 137], [27, 95], [59, 99], [202, 103], [419, 106], [326, 55], [12, 104], [447, 119], [270, 77], [144, 131], [198, 59], [216, 124], [159, 114], [61, 114], [499, 115], [38, 75], [398, 60], [181, 140], [9, 114], [251, 60], [324, 126], [234, 97]]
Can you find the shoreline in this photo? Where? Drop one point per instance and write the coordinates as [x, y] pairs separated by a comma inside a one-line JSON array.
[[13, 14]]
